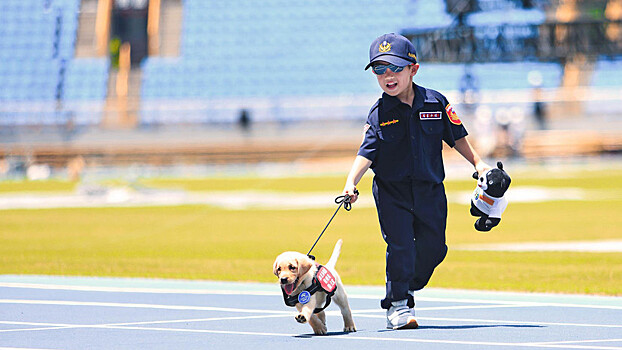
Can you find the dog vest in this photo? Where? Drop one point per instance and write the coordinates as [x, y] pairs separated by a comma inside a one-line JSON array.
[[491, 206], [322, 280]]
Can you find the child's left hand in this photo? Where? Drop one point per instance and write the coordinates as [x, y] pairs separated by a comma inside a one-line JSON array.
[[482, 168]]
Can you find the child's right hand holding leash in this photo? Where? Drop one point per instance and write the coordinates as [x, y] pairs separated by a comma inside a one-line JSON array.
[[351, 191]]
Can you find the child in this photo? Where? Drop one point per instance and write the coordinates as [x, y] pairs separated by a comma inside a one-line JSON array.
[[403, 143]]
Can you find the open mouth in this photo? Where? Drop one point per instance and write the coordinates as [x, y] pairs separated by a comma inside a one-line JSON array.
[[391, 85], [289, 288]]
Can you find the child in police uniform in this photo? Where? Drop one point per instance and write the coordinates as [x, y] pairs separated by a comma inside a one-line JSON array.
[[403, 142]]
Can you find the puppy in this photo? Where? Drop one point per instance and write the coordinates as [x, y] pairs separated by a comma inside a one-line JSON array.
[[310, 287], [488, 201]]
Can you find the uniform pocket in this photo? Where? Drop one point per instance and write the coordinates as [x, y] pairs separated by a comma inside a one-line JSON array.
[[432, 127], [392, 133], [433, 134]]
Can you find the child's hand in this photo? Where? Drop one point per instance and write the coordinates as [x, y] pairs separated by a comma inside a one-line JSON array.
[[351, 191], [482, 168]]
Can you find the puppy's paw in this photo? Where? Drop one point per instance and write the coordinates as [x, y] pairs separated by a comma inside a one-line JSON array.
[[349, 329], [320, 331], [301, 318]]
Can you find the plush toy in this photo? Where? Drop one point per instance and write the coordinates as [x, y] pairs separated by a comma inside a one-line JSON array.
[[488, 201]]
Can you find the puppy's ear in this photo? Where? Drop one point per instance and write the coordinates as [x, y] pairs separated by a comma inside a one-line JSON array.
[[304, 265], [275, 267]]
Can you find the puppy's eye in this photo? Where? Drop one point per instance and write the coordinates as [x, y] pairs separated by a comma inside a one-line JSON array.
[[292, 268]]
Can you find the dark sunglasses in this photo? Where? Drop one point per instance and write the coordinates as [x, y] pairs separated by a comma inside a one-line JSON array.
[[380, 69]]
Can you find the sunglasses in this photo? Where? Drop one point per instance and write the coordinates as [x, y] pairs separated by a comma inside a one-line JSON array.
[[380, 69]]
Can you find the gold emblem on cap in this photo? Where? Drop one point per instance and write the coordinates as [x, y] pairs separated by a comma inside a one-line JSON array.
[[384, 47], [412, 55]]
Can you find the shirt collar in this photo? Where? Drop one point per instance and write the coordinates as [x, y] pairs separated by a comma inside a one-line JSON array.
[[421, 97]]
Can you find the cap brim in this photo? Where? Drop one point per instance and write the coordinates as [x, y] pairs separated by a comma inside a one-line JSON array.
[[398, 61]]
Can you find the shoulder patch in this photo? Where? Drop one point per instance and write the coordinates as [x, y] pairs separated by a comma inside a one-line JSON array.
[[453, 117]]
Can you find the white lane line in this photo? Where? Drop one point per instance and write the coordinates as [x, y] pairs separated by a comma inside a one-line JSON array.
[[502, 322], [210, 308], [1, 348], [528, 323], [277, 313], [354, 337], [579, 341], [51, 326], [41, 326], [276, 293], [137, 289], [465, 307], [138, 306], [526, 303], [196, 320], [132, 326], [456, 307]]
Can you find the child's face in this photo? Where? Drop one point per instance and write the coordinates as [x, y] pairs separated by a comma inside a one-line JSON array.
[[397, 84]]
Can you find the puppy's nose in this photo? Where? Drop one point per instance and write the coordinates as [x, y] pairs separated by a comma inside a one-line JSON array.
[[284, 280]]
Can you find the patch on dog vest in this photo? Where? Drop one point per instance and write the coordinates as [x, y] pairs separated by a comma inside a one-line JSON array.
[[326, 279], [304, 297]]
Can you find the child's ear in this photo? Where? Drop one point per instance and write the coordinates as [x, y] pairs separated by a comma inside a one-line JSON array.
[[415, 68]]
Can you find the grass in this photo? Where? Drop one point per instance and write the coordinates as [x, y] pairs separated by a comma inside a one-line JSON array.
[[203, 242]]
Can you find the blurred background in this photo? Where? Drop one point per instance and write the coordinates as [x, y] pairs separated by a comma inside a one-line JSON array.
[[89, 86]]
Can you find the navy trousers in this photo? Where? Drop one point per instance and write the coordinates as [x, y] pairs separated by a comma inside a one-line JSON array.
[[413, 218]]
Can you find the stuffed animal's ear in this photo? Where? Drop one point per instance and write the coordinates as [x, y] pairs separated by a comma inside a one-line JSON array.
[[500, 165]]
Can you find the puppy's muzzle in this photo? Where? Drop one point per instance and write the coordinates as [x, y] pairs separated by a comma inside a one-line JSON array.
[[288, 288]]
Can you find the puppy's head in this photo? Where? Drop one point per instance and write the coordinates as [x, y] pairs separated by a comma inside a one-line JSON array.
[[495, 182], [290, 268]]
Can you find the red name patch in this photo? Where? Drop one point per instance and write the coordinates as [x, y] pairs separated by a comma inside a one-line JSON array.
[[326, 279], [430, 115]]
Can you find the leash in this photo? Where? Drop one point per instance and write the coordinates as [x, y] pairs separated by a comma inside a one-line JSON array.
[[342, 201]]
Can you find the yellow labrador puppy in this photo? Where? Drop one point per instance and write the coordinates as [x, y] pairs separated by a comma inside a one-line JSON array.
[[311, 287]]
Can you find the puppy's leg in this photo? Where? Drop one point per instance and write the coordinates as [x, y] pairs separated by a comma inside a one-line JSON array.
[[306, 314], [318, 323], [341, 299], [322, 317]]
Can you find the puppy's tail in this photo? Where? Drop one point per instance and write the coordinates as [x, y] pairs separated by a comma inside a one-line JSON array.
[[336, 251]]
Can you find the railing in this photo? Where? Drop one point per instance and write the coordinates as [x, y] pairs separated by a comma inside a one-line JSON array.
[[552, 42]]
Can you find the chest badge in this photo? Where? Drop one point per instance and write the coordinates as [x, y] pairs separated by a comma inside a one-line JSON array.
[[304, 297], [430, 115], [394, 121]]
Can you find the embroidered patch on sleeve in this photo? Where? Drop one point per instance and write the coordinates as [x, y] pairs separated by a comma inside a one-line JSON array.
[[394, 121], [453, 117], [430, 115]]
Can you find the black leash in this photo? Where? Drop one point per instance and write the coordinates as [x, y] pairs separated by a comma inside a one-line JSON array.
[[342, 201]]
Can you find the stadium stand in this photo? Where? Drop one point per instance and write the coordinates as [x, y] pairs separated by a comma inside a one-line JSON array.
[[268, 53], [42, 83], [281, 61]]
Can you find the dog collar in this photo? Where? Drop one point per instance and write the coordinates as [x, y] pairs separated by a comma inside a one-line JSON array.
[[322, 280]]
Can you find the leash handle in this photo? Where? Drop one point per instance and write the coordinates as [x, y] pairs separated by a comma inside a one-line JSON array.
[[344, 201]]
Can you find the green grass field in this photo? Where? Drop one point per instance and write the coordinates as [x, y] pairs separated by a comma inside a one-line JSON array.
[[204, 242]]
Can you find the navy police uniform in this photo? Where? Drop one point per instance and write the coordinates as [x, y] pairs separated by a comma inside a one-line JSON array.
[[404, 144]]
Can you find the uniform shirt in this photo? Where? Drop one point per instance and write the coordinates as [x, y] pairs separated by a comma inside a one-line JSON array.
[[405, 143]]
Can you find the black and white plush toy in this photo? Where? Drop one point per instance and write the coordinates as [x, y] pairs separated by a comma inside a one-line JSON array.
[[488, 201]]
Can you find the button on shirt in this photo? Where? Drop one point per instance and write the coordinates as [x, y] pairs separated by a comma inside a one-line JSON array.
[[405, 143]]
